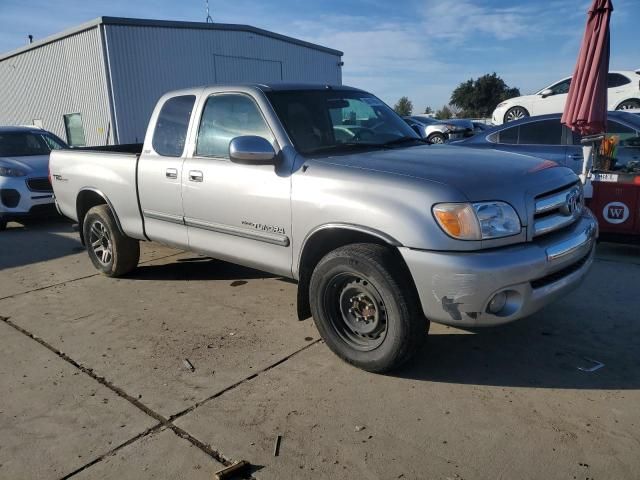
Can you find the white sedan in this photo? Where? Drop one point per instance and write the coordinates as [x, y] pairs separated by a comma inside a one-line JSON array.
[[623, 94]]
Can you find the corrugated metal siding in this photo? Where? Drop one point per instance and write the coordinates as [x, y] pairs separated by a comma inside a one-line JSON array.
[[66, 76], [147, 61]]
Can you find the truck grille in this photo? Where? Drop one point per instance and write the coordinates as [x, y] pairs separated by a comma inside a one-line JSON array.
[[558, 209], [39, 184]]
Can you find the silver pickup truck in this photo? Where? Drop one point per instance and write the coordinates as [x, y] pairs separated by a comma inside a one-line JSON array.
[[328, 186]]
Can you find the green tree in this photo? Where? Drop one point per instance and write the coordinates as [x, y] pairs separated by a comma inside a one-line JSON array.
[[444, 113], [404, 107], [478, 98], [428, 110]]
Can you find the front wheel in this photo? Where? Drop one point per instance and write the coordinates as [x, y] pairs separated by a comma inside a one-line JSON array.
[[111, 252], [515, 113], [365, 307], [436, 138]]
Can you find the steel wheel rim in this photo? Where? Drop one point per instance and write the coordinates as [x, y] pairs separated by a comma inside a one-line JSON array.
[[100, 243], [356, 311], [515, 114]]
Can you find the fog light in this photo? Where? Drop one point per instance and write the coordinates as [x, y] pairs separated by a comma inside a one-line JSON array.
[[498, 302]]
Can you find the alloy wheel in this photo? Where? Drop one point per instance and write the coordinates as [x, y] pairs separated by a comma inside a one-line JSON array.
[[100, 243]]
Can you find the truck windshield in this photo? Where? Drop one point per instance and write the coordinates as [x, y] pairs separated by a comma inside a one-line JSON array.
[[332, 120], [24, 144]]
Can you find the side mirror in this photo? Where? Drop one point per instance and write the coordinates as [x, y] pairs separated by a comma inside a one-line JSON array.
[[251, 150], [547, 92]]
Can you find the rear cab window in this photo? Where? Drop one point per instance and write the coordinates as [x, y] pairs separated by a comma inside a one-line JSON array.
[[170, 133]]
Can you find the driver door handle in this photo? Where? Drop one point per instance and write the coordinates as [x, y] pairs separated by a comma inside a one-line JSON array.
[[195, 176], [171, 173], [576, 156]]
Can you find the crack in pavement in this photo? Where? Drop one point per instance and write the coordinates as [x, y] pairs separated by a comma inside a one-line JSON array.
[[80, 278], [163, 422]]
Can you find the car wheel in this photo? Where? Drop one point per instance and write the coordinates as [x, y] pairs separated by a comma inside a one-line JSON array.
[[111, 252], [366, 308], [436, 138], [515, 113], [629, 104]]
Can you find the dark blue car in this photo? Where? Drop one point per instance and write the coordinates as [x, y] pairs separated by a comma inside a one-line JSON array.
[[545, 137]]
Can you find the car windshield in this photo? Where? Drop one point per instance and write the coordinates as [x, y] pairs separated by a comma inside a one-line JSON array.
[[24, 144], [330, 121]]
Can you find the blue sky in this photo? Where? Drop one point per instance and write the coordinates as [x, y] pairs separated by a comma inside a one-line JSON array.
[[419, 48]]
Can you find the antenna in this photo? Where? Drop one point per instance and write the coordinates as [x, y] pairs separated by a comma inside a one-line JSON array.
[[209, 19]]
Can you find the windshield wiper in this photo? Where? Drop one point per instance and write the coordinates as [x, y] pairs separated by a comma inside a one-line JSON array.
[[401, 140], [346, 145]]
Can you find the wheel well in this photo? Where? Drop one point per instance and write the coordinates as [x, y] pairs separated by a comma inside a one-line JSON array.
[[321, 243], [87, 199], [627, 100]]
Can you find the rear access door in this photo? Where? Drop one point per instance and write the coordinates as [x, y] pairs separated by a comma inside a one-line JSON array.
[[160, 172]]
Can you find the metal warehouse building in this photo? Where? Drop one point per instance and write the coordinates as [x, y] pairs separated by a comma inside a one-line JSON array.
[[97, 84]]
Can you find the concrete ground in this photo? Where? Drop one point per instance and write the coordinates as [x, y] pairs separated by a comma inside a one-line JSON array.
[[191, 363]]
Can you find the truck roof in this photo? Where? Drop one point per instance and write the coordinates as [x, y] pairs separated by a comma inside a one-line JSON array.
[[262, 87]]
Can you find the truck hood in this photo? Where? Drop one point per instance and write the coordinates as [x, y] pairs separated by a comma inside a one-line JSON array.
[[477, 174], [32, 165]]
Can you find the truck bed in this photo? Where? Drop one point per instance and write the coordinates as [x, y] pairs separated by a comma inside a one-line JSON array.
[[109, 171]]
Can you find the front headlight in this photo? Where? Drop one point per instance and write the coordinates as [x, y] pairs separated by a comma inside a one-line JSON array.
[[477, 221], [11, 172]]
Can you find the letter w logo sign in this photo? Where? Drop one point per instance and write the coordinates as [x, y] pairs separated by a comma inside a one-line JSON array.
[[616, 212]]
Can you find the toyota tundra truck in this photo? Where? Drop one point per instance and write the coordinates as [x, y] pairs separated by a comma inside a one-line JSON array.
[[328, 186]]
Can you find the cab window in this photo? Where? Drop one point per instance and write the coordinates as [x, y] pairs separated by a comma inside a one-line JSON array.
[[615, 80], [548, 132], [170, 133], [561, 87], [226, 116]]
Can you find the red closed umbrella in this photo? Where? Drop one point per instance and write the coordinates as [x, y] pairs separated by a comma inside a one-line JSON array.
[[586, 107]]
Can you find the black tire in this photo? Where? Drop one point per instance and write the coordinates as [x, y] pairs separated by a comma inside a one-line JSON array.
[[436, 138], [386, 326], [111, 252], [515, 113], [628, 104]]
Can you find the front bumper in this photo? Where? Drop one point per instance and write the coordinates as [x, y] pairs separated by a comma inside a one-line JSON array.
[[18, 201], [456, 288]]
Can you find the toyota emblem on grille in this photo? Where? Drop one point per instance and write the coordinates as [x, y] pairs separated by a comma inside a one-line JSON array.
[[572, 203]]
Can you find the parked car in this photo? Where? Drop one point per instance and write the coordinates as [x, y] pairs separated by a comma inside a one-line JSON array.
[[382, 232], [25, 189], [623, 93], [545, 137], [440, 131]]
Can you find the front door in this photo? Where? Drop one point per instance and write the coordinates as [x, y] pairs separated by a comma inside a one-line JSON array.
[[160, 173], [239, 213]]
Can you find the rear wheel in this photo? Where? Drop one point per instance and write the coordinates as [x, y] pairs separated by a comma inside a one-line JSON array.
[[629, 104], [436, 138], [111, 252], [515, 113], [366, 308]]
